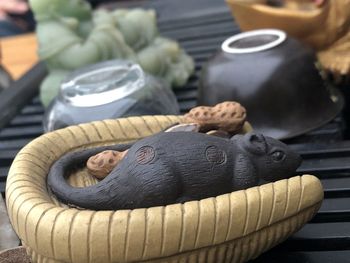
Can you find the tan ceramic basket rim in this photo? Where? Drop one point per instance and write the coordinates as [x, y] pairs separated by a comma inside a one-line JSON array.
[[55, 233]]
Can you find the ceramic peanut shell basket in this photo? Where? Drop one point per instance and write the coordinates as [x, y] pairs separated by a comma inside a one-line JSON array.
[[233, 227]]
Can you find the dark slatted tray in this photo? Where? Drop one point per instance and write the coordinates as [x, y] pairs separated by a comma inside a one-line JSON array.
[[325, 153]]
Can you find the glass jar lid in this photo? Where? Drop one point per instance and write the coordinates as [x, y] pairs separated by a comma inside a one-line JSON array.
[[102, 83]]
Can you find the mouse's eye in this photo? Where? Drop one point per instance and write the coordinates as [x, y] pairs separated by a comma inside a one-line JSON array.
[[278, 156]]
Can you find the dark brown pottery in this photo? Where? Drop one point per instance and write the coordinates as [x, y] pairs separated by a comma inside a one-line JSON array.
[[176, 167], [275, 78]]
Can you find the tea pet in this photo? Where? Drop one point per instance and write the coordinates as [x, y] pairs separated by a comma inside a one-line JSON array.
[[176, 167], [224, 120]]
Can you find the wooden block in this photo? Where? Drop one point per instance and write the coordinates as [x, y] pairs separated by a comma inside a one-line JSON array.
[[19, 54]]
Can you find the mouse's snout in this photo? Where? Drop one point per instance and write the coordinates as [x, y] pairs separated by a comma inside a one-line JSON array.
[[285, 169], [280, 162]]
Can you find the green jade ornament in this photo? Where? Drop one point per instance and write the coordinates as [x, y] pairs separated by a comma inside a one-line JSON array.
[[71, 35]]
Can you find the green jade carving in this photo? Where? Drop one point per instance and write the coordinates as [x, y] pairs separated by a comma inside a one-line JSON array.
[[72, 35]]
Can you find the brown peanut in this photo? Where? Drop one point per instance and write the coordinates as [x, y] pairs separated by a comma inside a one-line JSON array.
[[227, 116], [101, 164]]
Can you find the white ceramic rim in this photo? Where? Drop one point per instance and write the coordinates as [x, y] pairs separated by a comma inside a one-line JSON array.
[[281, 37]]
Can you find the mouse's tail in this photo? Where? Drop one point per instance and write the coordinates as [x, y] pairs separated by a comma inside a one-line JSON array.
[[84, 197]]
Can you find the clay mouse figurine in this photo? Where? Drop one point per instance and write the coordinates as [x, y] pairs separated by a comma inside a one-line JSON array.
[[176, 167]]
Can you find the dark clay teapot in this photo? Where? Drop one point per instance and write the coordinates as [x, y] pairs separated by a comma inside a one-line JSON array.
[[275, 78]]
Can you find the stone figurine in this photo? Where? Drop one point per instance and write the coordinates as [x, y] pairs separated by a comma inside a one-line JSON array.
[[175, 167], [71, 36], [322, 24]]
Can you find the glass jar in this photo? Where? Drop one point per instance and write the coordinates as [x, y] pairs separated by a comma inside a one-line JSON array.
[[109, 90]]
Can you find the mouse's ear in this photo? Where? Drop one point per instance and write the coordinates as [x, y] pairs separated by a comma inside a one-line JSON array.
[[255, 143]]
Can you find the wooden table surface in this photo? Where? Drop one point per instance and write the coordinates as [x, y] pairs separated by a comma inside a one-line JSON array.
[[18, 54]]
